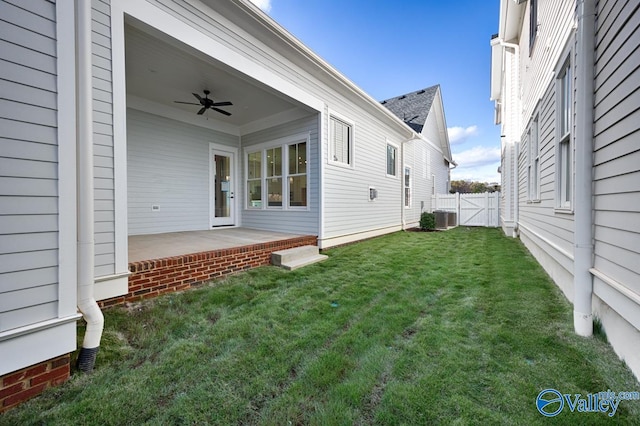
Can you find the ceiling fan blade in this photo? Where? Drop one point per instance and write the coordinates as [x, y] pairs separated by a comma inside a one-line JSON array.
[[226, 103], [221, 111], [202, 110], [187, 103], [198, 97]]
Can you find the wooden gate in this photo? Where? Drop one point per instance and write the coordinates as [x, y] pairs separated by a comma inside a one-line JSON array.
[[471, 209]]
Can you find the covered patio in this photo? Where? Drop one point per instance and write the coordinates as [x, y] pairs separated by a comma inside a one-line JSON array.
[[169, 262]]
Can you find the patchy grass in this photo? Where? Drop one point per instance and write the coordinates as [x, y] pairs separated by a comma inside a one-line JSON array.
[[457, 327]]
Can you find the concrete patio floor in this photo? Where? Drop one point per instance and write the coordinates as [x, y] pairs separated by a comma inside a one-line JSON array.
[[157, 246]]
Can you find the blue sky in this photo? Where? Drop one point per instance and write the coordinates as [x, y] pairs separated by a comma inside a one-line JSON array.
[[389, 48]]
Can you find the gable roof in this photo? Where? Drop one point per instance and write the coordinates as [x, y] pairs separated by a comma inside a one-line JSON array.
[[413, 108]]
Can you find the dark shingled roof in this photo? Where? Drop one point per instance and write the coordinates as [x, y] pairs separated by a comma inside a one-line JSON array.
[[413, 108]]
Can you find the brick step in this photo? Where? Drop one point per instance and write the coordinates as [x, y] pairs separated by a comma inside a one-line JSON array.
[[297, 257]]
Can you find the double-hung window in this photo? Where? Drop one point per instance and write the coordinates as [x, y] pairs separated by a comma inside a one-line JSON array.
[[407, 186], [297, 176], [392, 160], [277, 175], [340, 142], [534, 162], [564, 161]]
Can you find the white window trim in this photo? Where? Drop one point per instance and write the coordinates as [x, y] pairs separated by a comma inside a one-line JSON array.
[[404, 187], [349, 122], [262, 148], [397, 159], [533, 159], [561, 206]]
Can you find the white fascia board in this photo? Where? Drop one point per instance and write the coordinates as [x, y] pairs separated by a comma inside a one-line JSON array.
[[340, 81]]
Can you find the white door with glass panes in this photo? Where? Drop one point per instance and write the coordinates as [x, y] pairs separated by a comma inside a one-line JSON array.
[[222, 187]]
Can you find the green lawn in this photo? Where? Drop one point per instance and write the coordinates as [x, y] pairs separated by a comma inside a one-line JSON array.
[[457, 327]]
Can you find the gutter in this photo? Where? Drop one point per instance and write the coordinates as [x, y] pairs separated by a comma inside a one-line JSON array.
[[87, 304], [583, 234]]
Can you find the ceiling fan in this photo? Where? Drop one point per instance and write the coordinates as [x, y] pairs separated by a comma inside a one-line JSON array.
[[207, 103]]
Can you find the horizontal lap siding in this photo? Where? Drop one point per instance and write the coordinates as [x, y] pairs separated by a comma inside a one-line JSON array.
[[28, 164], [168, 165], [104, 182], [293, 221], [541, 217], [346, 191], [617, 151]]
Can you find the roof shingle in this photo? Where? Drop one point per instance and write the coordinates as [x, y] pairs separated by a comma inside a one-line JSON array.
[[413, 108]]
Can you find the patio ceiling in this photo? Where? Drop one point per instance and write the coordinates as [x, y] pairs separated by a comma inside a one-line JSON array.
[[163, 70]]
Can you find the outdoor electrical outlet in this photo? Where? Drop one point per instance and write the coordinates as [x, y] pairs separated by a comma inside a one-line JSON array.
[[155, 208]]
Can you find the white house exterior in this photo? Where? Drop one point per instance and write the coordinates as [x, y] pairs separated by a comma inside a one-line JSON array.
[[95, 148], [565, 77]]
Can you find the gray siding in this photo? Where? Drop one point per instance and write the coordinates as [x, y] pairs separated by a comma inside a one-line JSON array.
[[616, 147], [293, 221], [168, 165], [28, 164], [540, 217], [103, 139]]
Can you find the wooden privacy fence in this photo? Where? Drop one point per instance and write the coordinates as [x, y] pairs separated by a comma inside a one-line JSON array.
[[471, 209]]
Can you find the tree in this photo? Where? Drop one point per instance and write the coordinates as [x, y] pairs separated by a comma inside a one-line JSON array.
[[469, 187]]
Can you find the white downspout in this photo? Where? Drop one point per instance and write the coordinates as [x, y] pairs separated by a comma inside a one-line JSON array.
[[583, 237], [86, 301]]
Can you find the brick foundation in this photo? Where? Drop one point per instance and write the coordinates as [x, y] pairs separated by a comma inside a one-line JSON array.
[[151, 278], [22, 385]]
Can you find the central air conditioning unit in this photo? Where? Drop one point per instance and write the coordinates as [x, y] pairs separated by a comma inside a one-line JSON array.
[[442, 219]]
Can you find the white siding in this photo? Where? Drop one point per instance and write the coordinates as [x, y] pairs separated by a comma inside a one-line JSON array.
[[346, 190], [103, 139], [168, 166], [28, 164], [293, 221], [539, 220], [617, 152]]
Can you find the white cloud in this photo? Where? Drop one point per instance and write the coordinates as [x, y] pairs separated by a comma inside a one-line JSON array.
[[265, 5], [460, 134], [478, 164], [477, 156]]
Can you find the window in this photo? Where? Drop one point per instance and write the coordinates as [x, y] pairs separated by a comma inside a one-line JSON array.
[[274, 177], [281, 170], [533, 171], [533, 23], [254, 179], [392, 155], [297, 176], [407, 186], [564, 163], [341, 142]]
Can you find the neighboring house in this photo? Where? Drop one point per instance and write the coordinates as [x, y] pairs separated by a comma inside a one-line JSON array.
[[566, 80], [95, 149], [428, 158]]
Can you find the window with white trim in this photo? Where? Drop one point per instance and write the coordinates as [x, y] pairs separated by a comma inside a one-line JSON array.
[[254, 179], [277, 176], [533, 23], [564, 162], [407, 186], [534, 162], [392, 160], [297, 174], [341, 141]]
